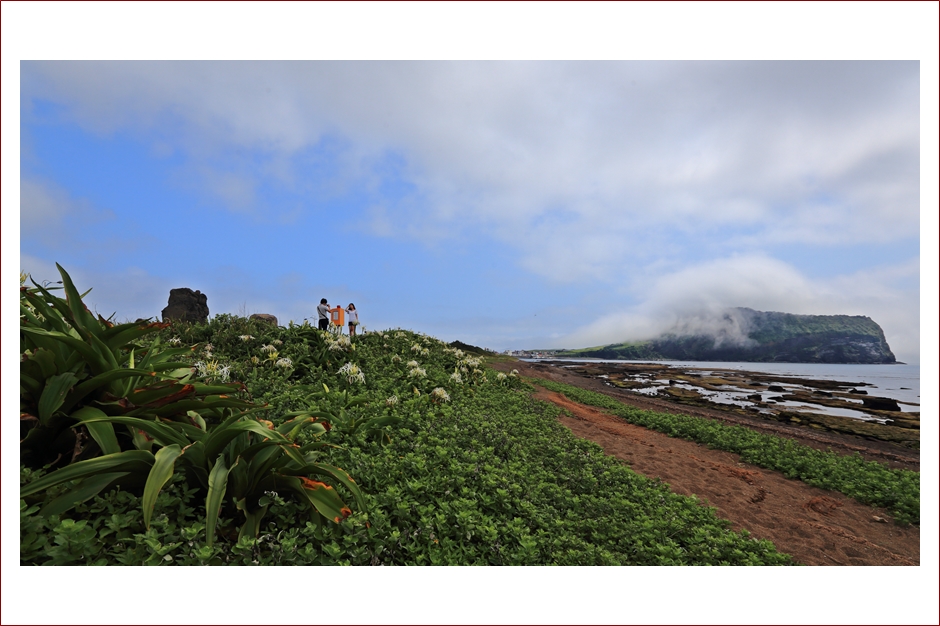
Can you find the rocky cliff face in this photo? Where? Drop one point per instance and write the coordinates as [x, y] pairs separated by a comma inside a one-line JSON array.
[[765, 337]]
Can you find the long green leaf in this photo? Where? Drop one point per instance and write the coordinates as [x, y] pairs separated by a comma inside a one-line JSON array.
[[63, 354], [96, 361], [29, 383], [238, 480], [195, 454], [103, 349], [127, 333], [159, 393], [85, 490], [101, 432], [186, 404], [45, 359], [129, 460], [337, 473], [218, 481], [222, 436], [54, 394], [163, 434], [82, 319], [95, 383], [163, 465], [323, 498], [262, 463], [252, 520]]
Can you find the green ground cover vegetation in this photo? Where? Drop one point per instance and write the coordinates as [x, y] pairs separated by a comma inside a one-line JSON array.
[[239, 442], [868, 482]]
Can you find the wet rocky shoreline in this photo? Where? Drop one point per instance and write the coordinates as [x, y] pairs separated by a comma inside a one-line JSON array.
[[839, 406]]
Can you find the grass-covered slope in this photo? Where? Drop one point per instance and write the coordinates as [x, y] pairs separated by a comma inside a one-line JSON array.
[[456, 464], [761, 336]]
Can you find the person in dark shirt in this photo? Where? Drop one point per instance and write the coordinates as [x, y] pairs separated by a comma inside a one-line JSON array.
[[323, 312]]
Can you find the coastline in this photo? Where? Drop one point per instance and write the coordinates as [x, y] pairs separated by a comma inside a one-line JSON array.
[[846, 414]]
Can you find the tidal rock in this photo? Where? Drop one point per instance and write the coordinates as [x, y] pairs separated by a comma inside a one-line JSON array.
[[880, 404], [776, 388], [264, 317], [756, 397], [186, 305], [859, 391]]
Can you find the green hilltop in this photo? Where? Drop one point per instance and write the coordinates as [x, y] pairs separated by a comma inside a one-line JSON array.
[[742, 334]]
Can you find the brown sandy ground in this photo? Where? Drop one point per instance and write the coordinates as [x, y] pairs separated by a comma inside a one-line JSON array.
[[815, 526]]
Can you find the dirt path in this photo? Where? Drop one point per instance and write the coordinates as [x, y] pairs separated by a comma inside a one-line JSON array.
[[816, 527]]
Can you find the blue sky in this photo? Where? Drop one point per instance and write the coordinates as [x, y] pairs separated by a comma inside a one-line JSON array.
[[505, 204], [518, 204]]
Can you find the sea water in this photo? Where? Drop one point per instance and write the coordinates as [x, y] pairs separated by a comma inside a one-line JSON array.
[[898, 381]]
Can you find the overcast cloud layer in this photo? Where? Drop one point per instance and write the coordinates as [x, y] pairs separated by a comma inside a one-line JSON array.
[[627, 193]]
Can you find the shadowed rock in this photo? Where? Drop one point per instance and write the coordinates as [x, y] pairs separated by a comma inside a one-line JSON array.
[[186, 305], [880, 404], [264, 317]]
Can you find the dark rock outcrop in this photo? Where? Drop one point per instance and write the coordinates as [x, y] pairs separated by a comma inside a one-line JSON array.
[[264, 317], [186, 305], [880, 404]]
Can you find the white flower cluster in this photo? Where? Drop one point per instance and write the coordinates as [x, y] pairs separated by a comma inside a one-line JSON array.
[[399, 335], [396, 358], [174, 341], [338, 343], [245, 337], [284, 362], [417, 372], [278, 342], [416, 347], [391, 401], [439, 396], [501, 377], [268, 348], [212, 369], [472, 362], [412, 364], [352, 373], [457, 378]]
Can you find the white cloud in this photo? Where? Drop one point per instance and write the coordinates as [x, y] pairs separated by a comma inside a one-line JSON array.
[[616, 144], [693, 297]]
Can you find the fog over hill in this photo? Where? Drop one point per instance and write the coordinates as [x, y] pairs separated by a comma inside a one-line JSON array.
[[742, 334]]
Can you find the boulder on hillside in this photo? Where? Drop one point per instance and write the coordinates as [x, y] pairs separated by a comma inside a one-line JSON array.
[[186, 305], [264, 317]]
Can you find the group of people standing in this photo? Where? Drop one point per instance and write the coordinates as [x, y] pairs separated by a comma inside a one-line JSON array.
[[323, 313]]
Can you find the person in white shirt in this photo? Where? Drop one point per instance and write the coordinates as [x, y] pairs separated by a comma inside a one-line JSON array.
[[353, 319], [323, 311]]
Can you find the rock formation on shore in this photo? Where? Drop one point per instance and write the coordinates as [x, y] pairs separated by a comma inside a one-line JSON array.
[[746, 335]]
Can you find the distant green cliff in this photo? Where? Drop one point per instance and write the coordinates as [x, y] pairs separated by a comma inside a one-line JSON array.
[[746, 335]]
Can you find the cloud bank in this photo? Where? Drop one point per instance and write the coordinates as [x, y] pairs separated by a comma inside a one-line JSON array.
[[694, 300], [543, 155]]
